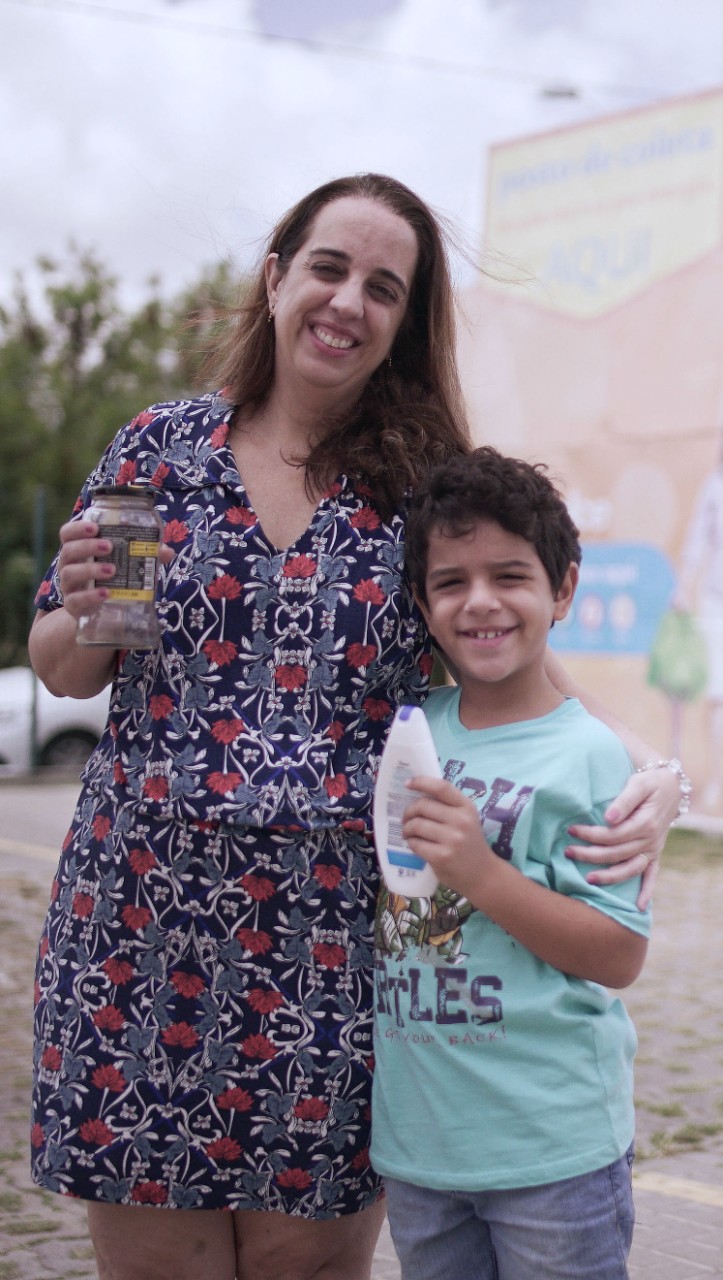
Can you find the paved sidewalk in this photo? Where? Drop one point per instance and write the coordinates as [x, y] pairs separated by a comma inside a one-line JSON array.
[[677, 1005]]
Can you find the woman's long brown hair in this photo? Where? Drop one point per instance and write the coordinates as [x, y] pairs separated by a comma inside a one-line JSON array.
[[411, 413]]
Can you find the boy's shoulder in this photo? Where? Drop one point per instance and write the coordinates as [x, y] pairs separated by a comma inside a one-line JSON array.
[[571, 717], [593, 730], [570, 732]]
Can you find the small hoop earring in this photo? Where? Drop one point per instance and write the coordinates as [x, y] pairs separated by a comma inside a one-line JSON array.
[[389, 360]]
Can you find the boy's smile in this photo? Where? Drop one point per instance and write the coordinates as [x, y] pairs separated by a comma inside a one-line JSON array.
[[490, 606]]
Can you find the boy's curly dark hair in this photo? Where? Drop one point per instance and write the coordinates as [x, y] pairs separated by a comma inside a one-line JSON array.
[[486, 485]]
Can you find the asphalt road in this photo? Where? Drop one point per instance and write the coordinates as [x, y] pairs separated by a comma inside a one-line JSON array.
[[34, 817]]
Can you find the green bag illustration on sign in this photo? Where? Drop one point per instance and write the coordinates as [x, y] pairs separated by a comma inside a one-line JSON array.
[[678, 663]]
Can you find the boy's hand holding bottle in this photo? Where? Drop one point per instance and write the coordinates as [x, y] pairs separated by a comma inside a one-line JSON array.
[[442, 826]]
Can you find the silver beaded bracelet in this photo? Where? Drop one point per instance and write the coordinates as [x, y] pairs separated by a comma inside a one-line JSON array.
[[686, 787]]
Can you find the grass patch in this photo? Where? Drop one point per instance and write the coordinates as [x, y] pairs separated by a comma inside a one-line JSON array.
[[10, 1202], [83, 1255], [692, 1134], [29, 890], [687, 1089], [48, 1199], [662, 1143], [10, 1156], [670, 1110], [30, 1227], [686, 849], [690, 1137], [9, 1271]]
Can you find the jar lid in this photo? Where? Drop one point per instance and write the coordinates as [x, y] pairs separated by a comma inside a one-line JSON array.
[[123, 491]]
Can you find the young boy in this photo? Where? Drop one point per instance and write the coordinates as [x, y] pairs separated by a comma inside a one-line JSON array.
[[503, 1109]]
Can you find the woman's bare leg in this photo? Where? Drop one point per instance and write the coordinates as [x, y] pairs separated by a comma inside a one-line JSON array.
[[275, 1245], [184, 1244], [134, 1243]]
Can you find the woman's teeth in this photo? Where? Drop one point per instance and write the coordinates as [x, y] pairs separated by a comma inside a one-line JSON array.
[[340, 344]]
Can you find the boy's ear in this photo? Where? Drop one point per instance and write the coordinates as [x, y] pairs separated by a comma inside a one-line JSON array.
[[566, 592]]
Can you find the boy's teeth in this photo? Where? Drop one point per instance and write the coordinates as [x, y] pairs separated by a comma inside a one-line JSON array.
[[486, 635], [342, 344]]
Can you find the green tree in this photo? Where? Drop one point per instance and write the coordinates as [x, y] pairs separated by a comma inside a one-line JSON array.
[[73, 368]]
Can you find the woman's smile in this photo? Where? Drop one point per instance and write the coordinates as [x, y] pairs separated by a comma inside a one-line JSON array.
[[331, 340]]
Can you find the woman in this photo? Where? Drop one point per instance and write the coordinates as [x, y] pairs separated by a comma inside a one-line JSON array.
[[203, 1032]]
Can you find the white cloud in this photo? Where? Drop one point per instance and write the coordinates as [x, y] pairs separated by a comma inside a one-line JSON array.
[[167, 144]]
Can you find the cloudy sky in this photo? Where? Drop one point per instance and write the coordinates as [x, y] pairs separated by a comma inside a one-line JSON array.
[[165, 134]]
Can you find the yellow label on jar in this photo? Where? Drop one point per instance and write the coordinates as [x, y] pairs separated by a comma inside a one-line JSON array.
[[143, 548], [126, 593]]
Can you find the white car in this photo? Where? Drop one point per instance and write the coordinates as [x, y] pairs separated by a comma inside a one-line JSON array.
[[67, 728]]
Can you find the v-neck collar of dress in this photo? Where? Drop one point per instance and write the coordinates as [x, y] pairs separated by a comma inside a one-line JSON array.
[[211, 460]]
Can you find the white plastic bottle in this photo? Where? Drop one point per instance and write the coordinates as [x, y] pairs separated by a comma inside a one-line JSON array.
[[409, 753]]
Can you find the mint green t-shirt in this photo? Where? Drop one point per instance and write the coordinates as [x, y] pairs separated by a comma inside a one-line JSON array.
[[494, 1069]]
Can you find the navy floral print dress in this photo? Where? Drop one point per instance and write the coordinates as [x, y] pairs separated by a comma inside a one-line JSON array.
[[203, 990]]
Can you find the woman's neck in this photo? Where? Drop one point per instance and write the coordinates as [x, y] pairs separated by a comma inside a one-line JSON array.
[[290, 431], [302, 419]]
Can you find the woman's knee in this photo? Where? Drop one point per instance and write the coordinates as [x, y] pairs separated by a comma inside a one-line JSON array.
[[275, 1244], [138, 1243]]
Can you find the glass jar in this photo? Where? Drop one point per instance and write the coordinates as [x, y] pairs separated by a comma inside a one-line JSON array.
[[127, 618]]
